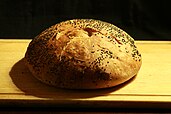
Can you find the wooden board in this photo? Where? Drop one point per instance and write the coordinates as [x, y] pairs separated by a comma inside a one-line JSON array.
[[150, 88]]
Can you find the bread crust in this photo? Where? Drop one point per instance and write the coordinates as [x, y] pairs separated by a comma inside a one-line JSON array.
[[83, 54]]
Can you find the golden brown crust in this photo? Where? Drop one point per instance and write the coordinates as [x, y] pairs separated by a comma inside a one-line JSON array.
[[83, 54]]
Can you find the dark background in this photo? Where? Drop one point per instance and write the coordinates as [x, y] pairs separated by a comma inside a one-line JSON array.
[[142, 19]]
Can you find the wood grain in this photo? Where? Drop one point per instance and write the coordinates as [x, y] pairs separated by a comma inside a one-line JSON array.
[[150, 88]]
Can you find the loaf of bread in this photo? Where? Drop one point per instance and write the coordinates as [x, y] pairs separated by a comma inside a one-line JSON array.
[[83, 54]]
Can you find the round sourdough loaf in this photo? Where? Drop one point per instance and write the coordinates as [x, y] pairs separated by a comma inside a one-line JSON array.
[[83, 54]]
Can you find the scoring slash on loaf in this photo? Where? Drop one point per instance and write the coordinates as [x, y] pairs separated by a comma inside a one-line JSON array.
[[83, 54]]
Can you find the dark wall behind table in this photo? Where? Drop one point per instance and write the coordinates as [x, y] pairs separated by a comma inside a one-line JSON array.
[[142, 19]]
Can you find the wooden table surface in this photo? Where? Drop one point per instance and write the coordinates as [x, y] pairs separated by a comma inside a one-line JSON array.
[[150, 88]]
